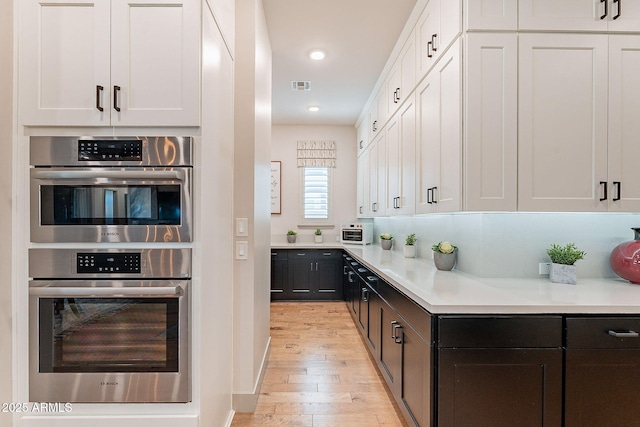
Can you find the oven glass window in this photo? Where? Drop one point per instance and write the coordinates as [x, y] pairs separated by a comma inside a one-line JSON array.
[[110, 205], [108, 334]]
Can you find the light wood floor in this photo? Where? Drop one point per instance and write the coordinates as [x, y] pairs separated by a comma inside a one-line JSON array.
[[319, 373]]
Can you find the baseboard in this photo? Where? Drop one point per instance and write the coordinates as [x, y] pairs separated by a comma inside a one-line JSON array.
[[247, 402]]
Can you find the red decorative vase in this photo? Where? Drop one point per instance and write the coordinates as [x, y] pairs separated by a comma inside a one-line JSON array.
[[625, 259]]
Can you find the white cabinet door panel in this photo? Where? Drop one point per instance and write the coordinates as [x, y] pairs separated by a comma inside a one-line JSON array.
[[492, 14], [155, 58], [624, 15], [562, 135], [491, 147], [63, 58], [624, 125], [564, 15]]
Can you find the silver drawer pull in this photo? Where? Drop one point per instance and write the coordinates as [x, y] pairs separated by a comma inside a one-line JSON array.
[[627, 334]]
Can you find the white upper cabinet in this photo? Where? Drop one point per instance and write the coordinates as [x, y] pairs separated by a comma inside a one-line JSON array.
[[402, 77], [580, 15], [562, 127], [624, 126], [401, 160], [438, 26], [491, 122], [491, 15], [109, 63], [439, 144]]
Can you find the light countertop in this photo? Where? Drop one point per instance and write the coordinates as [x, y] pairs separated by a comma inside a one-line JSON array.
[[453, 292]]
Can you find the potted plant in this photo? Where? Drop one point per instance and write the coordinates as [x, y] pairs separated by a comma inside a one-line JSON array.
[[563, 259], [386, 240], [444, 255], [318, 236], [291, 236], [410, 246]]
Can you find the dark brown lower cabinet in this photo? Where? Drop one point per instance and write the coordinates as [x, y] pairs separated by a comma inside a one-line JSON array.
[[602, 379], [405, 359], [500, 387], [499, 371], [306, 274]]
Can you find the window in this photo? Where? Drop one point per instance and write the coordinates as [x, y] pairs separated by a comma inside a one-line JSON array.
[[316, 195]]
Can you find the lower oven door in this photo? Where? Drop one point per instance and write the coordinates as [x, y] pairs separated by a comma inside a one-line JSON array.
[[109, 341], [110, 205]]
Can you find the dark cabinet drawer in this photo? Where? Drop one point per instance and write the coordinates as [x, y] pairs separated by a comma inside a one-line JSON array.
[[499, 332], [315, 254], [278, 255], [603, 332]]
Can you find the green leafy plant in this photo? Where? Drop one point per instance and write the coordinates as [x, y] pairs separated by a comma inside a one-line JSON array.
[[444, 247], [318, 232], [292, 233], [567, 254], [386, 236], [411, 239]]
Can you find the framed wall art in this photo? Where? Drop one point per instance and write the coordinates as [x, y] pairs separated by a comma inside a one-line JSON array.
[[276, 193]]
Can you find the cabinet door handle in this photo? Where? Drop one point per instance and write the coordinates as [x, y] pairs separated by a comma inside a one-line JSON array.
[[99, 90], [316, 266], [311, 264], [344, 270], [433, 195], [350, 276], [604, 196], [302, 254], [365, 295], [429, 196], [429, 46], [606, 9], [618, 194], [360, 209], [617, 15], [116, 104], [374, 207], [397, 337], [361, 142], [396, 95], [624, 334], [373, 126], [433, 42], [393, 329]]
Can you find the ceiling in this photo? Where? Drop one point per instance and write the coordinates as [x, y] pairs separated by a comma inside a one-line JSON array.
[[357, 35]]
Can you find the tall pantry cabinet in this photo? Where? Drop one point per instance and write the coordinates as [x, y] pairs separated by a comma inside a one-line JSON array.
[[109, 63]]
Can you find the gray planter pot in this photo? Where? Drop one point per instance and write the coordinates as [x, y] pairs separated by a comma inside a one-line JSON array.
[[291, 238], [386, 244], [562, 273], [444, 262], [409, 251]]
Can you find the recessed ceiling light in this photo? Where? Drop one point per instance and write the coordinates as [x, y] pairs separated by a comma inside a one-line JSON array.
[[317, 54], [314, 108]]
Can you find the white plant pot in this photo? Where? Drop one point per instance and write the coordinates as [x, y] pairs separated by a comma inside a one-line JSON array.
[[386, 244], [317, 239], [409, 251], [562, 273]]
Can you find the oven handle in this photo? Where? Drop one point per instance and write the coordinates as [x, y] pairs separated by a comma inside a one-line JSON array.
[[106, 292], [106, 174]]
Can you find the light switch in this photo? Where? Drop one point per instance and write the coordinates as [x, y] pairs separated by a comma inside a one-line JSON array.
[[242, 250], [242, 227]]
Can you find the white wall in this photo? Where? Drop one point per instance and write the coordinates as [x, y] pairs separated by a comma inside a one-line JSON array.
[[6, 163], [512, 244], [283, 149], [251, 200], [213, 250]]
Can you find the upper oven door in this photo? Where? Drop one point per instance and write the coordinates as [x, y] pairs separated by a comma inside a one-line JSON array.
[[111, 205]]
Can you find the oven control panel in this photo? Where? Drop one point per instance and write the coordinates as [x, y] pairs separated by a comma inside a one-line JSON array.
[[122, 262], [102, 150]]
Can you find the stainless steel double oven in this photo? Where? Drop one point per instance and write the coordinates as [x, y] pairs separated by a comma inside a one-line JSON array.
[[109, 317]]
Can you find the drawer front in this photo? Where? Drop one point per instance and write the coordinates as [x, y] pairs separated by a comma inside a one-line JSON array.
[[278, 255], [314, 254], [500, 332], [603, 332]]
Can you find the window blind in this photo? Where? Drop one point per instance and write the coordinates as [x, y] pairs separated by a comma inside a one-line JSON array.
[[316, 192], [317, 153]]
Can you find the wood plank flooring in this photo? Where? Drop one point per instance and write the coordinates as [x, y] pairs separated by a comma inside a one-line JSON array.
[[319, 373]]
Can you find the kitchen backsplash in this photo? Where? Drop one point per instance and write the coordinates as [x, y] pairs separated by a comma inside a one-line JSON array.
[[513, 244]]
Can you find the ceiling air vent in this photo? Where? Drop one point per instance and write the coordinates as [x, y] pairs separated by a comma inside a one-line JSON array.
[[300, 85]]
